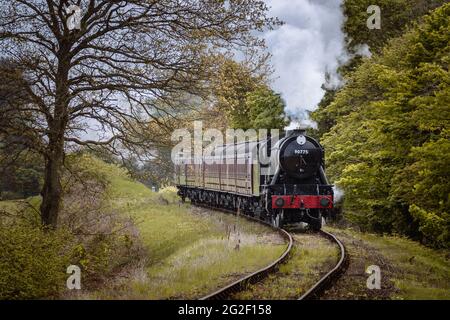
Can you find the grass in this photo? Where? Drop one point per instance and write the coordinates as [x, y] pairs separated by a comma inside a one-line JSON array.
[[8, 206], [190, 251], [418, 272], [310, 257], [204, 266]]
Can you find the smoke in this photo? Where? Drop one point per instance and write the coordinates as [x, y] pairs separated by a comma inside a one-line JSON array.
[[307, 50], [303, 121], [362, 50], [338, 194]]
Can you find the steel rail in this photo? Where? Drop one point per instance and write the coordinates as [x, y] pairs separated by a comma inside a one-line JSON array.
[[256, 276], [314, 292], [327, 280]]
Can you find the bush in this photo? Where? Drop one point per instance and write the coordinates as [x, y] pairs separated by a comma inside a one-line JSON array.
[[33, 263], [91, 234], [434, 227], [106, 241]]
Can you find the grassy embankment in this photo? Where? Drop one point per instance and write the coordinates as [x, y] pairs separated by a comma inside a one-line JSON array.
[[409, 270], [190, 251]]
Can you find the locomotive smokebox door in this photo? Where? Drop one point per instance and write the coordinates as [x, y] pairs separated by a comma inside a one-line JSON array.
[[300, 157]]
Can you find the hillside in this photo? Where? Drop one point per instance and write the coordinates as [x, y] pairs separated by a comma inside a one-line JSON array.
[[137, 244]]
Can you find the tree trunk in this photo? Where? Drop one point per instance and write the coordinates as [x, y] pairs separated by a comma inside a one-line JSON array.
[[52, 189]]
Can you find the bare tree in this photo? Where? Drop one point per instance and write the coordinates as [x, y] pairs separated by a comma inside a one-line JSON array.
[[101, 80]]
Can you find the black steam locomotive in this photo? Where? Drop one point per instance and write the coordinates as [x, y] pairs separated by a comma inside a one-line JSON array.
[[290, 188]]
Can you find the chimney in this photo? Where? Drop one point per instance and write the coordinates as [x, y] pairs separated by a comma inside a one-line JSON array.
[[296, 132]]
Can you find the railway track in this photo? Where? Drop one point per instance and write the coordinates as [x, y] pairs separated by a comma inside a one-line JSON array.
[[313, 292], [328, 280]]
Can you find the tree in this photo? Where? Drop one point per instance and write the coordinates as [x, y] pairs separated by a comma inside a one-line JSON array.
[[233, 82], [103, 77], [389, 148], [21, 169], [244, 98], [266, 109], [396, 17]]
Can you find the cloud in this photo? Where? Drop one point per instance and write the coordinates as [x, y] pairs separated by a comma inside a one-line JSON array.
[[308, 46]]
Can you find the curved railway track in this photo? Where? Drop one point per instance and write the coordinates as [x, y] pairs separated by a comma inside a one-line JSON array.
[[328, 279], [313, 293]]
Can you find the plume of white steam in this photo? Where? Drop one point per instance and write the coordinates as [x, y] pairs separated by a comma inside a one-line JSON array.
[[302, 120], [362, 50], [307, 51], [338, 193]]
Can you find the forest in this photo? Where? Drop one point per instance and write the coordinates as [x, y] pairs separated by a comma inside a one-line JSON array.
[[386, 131]]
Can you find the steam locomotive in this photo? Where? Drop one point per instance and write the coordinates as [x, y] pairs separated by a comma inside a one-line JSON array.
[[289, 188]]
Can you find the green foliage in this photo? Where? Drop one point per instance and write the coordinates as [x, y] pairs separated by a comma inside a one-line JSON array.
[[32, 262], [395, 16], [92, 234], [266, 109], [320, 116], [85, 166], [21, 167], [231, 86], [246, 100], [434, 226], [389, 146], [21, 173]]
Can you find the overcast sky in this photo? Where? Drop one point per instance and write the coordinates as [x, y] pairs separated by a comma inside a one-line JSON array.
[[304, 49]]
